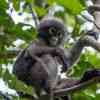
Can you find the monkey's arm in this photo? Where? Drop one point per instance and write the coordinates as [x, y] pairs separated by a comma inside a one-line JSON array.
[[34, 49], [74, 53], [38, 51]]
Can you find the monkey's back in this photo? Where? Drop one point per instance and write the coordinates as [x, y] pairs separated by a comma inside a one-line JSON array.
[[22, 65]]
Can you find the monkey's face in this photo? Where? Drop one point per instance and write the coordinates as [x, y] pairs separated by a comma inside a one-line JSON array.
[[55, 36], [52, 31]]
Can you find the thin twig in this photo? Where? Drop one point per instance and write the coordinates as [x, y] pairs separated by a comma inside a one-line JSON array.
[[35, 18], [9, 54], [91, 21], [65, 91]]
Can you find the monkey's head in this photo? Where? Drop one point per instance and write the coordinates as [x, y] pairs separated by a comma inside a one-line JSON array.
[[52, 30]]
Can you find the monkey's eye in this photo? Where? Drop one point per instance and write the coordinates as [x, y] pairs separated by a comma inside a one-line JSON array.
[[52, 30], [60, 34]]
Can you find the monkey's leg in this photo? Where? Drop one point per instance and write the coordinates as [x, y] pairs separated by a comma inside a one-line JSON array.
[[44, 73], [53, 78], [69, 85]]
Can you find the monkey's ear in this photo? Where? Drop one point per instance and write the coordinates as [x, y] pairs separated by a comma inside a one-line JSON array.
[[94, 34]]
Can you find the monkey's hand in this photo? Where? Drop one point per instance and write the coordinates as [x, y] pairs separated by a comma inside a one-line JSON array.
[[93, 34], [63, 58], [89, 38]]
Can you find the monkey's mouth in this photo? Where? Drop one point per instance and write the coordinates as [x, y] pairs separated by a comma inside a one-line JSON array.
[[54, 41]]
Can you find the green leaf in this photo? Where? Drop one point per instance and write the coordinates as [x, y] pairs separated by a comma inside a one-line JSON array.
[[16, 4], [40, 11], [93, 59], [72, 6], [13, 83], [16, 30], [29, 1], [50, 2]]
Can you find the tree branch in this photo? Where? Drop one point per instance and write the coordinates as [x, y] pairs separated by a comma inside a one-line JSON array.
[[94, 7], [97, 17], [9, 54], [35, 18], [62, 92], [5, 96], [97, 26], [76, 85], [88, 39]]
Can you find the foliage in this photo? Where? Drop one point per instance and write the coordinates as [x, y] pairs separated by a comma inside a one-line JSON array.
[[10, 32]]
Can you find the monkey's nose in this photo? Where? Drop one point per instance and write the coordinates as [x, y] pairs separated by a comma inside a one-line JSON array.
[[54, 39]]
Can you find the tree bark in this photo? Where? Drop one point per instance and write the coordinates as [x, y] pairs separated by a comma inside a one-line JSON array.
[[97, 17]]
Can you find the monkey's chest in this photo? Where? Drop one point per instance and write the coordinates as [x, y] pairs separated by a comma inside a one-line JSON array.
[[48, 70]]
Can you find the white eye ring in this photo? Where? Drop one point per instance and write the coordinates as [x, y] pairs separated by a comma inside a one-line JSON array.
[[52, 30]]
